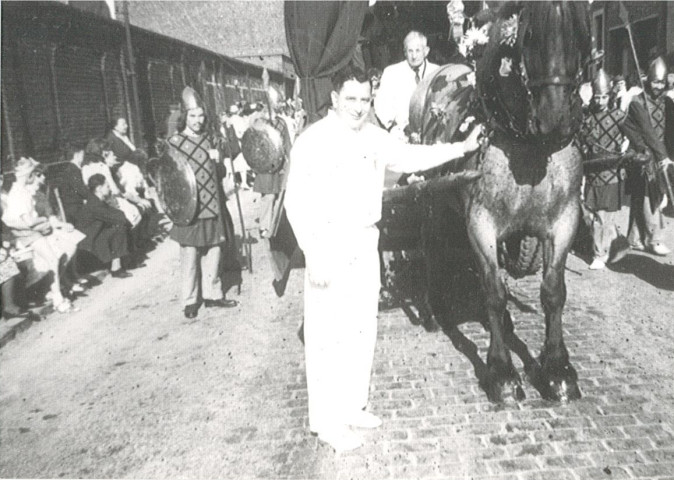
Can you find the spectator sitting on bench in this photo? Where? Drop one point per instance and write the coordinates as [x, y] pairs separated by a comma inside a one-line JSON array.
[[120, 143], [99, 159], [134, 187], [66, 237], [105, 227], [34, 231], [72, 189], [10, 275]]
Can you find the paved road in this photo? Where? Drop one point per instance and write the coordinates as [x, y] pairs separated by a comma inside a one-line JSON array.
[[129, 388]]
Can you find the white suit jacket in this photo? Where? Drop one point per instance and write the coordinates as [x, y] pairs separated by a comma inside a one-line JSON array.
[[392, 102]]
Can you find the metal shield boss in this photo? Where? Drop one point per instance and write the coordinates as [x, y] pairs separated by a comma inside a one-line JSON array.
[[176, 186], [262, 147]]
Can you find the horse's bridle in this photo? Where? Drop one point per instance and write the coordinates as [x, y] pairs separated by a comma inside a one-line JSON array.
[[523, 29]]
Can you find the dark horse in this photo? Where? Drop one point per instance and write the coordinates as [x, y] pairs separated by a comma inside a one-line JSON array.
[[527, 83]]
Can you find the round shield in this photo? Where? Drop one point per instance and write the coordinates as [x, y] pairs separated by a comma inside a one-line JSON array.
[[176, 186], [262, 147], [440, 103]]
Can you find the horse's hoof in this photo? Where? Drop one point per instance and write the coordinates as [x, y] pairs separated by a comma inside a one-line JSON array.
[[558, 385], [430, 324], [504, 387], [508, 392], [562, 391]]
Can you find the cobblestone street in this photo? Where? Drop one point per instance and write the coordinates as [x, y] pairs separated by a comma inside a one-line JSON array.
[[129, 388]]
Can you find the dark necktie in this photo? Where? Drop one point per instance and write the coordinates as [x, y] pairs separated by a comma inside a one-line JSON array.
[[417, 78]]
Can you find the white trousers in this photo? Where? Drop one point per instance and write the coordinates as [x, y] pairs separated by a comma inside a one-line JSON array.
[[604, 231], [340, 331], [199, 268]]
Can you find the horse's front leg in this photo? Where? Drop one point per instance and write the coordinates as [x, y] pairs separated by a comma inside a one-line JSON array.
[[557, 379], [503, 382]]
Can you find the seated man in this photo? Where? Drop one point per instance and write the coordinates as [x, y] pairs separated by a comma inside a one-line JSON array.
[[105, 227]]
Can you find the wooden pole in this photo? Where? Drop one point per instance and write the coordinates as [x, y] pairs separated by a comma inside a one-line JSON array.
[[134, 116]]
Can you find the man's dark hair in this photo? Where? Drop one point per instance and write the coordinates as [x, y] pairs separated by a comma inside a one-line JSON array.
[[95, 181], [97, 146], [347, 73], [72, 148], [182, 121], [112, 123], [94, 150]]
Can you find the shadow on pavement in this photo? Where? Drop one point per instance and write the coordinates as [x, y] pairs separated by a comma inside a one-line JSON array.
[[657, 274], [463, 304]]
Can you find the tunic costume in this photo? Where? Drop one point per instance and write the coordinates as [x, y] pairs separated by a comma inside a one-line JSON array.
[[604, 189], [201, 240], [645, 128], [334, 214]]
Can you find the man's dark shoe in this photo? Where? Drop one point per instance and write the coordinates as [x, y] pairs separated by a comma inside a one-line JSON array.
[[221, 303], [191, 310], [121, 273]]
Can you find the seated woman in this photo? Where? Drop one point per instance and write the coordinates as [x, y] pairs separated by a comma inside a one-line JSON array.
[[9, 270], [33, 231], [64, 237], [120, 143]]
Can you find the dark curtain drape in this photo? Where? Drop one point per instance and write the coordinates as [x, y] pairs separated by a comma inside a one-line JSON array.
[[322, 37]]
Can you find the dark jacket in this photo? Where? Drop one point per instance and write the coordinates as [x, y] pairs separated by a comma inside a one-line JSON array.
[[73, 192], [105, 228], [121, 149], [125, 154]]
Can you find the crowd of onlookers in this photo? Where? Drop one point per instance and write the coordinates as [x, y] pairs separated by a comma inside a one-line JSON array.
[[97, 211]]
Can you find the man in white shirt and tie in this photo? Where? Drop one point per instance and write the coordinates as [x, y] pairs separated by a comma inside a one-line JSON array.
[[398, 82]]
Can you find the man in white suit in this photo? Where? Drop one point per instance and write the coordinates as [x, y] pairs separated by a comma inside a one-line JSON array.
[[334, 214], [398, 82]]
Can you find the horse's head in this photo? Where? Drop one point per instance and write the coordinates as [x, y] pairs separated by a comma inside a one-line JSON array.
[[554, 40], [529, 75]]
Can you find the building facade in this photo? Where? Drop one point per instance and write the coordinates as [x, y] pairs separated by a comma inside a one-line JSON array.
[[66, 73], [652, 26]]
